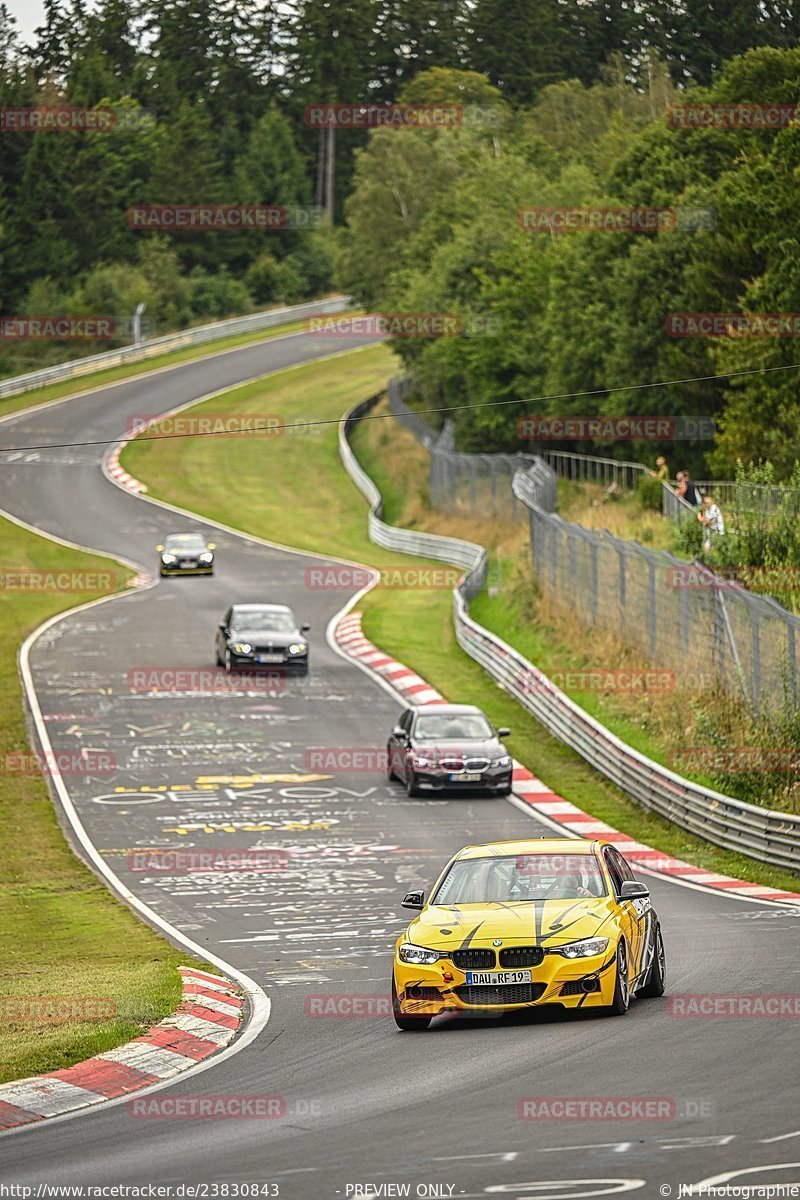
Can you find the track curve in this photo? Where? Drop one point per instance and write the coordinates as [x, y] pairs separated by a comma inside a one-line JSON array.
[[364, 1104]]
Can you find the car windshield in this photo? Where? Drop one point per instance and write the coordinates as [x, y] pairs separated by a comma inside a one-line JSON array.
[[517, 878], [455, 726], [185, 541], [264, 620]]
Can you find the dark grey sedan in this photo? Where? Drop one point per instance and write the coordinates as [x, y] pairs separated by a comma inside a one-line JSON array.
[[255, 635], [449, 748]]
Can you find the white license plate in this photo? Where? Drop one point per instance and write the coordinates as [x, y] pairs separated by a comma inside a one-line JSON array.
[[465, 778], [188, 562], [270, 658], [482, 978]]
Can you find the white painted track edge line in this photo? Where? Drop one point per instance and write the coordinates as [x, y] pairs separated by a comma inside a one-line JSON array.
[[259, 1010]]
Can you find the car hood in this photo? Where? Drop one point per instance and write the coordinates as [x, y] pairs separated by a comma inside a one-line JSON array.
[[266, 637], [533, 922], [490, 748]]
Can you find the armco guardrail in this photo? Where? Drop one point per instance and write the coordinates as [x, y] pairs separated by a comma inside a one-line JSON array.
[[762, 834], [171, 341]]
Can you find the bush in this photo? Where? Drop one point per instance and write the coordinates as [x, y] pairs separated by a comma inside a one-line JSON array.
[[274, 282], [217, 295], [650, 492]]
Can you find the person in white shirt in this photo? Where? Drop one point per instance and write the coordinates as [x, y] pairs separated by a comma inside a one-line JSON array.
[[710, 518]]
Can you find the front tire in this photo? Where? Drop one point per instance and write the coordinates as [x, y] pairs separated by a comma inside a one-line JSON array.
[[390, 775], [657, 977], [412, 790], [408, 1024], [622, 991]]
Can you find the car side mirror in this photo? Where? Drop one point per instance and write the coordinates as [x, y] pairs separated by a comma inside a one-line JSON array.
[[222, 627], [414, 900], [304, 628], [633, 890], [398, 732], [503, 732], [159, 548]]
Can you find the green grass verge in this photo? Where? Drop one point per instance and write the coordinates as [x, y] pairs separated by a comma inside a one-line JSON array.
[[271, 500], [173, 358], [62, 934]]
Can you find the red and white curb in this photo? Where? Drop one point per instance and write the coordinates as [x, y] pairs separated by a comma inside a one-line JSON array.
[[119, 474], [207, 1019], [538, 795]]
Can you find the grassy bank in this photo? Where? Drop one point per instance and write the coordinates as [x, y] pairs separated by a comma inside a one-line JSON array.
[[330, 517], [62, 935]]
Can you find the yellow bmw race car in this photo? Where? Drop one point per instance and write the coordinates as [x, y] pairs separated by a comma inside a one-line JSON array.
[[513, 925]]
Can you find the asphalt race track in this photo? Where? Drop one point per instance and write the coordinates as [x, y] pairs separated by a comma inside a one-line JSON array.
[[364, 1103]]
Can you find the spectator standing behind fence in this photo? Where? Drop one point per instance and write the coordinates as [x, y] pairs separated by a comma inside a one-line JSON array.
[[710, 518], [686, 489], [662, 470]]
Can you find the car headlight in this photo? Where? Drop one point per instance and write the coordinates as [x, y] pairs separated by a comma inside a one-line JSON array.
[[505, 761], [416, 761], [297, 648], [584, 949], [207, 557], [417, 954], [168, 558], [242, 648]]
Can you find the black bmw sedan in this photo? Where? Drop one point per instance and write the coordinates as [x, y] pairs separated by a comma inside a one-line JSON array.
[[254, 635], [449, 747], [186, 554]]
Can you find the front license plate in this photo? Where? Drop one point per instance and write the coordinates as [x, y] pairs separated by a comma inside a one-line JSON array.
[[270, 658], [189, 563], [465, 778], [482, 978]]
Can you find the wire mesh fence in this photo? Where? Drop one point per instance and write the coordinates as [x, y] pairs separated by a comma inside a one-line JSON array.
[[675, 612], [477, 485]]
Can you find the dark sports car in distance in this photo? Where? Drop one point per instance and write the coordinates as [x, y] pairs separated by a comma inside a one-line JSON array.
[[186, 554], [449, 747], [254, 635]]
